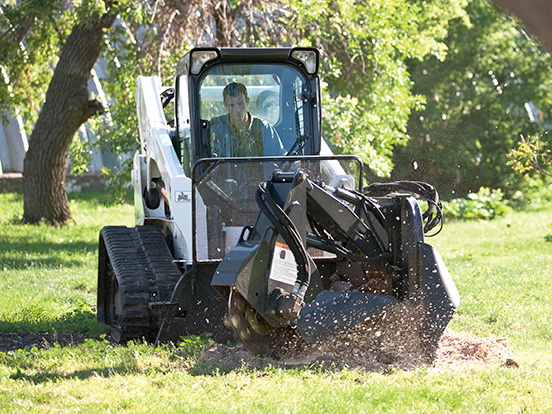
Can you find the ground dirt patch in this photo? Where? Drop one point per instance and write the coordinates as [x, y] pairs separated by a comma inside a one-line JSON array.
[[399, 337], [12, 341], [455, 351], [361, 349]]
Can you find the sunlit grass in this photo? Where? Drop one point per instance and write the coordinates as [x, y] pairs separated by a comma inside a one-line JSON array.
[[48, 282]]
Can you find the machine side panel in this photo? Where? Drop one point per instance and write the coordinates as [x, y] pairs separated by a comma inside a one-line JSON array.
[[161, 158]]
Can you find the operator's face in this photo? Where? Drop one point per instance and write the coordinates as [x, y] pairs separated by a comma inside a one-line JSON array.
[[237, 108]]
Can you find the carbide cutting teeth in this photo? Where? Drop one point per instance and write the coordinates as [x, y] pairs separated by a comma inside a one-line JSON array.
[[253, 331], [253, 321], [245, 334], [235, 321], [240, 305]]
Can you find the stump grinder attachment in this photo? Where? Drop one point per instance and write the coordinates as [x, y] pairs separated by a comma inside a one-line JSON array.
[[376, 258]]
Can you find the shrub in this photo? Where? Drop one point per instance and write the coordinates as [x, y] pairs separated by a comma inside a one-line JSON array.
[[486, 204], [192, 345]]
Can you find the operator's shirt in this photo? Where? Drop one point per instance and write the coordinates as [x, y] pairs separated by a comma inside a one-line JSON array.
[[257, 139]]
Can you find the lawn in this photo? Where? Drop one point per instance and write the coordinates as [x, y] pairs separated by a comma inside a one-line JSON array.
[[502, 269]]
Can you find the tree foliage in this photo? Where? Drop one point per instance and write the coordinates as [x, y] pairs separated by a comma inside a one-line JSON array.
[[477, 104], [367, 87], [531, 155], [31, 34]]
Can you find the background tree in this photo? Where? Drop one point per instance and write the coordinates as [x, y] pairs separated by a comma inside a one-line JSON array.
[[367, 87], [66, 108], [67, 105], [494, 86]]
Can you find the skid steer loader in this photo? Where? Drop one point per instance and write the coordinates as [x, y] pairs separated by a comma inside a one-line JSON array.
[[260, 242]]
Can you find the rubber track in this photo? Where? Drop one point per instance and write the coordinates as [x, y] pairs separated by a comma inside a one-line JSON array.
[[146, 273]]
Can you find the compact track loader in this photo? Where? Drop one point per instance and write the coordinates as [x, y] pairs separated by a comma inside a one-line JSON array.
[[268, 238]]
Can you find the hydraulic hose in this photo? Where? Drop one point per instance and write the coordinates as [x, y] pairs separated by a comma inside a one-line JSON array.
[[433, 215]]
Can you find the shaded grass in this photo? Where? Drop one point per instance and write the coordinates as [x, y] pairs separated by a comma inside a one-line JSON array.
[[48, 280], [48, 275]]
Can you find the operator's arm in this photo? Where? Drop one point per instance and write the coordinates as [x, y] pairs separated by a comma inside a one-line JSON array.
[[271, 141], [220, 137]]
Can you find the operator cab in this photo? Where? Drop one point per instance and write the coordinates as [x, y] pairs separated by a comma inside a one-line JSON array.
[[283, 92], [272, 96]]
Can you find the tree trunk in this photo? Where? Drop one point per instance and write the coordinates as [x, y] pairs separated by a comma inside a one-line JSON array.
[[65, 109]]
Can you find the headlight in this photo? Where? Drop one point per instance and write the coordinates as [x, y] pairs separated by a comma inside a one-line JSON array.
[[199, 58], [309, 57]]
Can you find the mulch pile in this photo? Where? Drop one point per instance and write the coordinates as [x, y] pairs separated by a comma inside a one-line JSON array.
[[455, 351], [377, 346]]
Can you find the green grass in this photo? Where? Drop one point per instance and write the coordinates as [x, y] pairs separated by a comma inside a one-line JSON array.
[[502, 269], [47, 275]]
